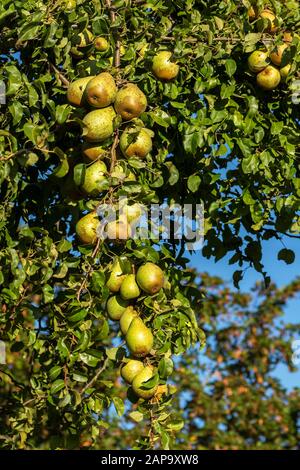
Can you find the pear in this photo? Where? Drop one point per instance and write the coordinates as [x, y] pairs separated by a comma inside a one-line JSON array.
[[101, 91], [131, 369], [269, 15], [93, 151], [132, 212], [76, 90], [99, 124], [269, 78], [284, 71], [129, 288], [139, 338], [136, 142], [140, 379], [101, 44], [252, 13], [118, 230], [150, 278], [86, 228], [258, 61], [127, 318], [115, 277], [130, 102], [277, 55], [116, 306], [287, 36], [94, 179], [163, 68]]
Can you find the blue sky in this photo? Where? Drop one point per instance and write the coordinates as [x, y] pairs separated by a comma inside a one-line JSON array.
[[279, 272]]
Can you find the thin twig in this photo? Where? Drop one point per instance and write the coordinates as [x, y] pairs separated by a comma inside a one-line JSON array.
[[62, 78], [94, 379], [94, 254]]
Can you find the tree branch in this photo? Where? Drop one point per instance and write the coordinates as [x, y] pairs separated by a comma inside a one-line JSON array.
[[62, 78], [94, 379]]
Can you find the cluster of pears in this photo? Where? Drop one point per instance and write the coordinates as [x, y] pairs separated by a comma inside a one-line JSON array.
[[125, 289], [269, 66]]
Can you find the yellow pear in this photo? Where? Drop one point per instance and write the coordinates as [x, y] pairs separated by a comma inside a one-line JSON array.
[[139, 338], [277, 54], [150, 278], [130, 102], [93, 151], [75, 92], [130, 370], [258, 60], [86, 228], [162, 66], [136, 142], [95, 179], [99, 124], [101, 44], [271, 17], [101, 91], [140, 379], [126, 319], [129, 288], [269, 78], [284, 71], [115, 307], [116, 277]]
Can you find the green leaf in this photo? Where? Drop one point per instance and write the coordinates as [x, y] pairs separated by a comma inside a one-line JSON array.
[[58, 385], [194, 183], [231, 67], [119, 405]]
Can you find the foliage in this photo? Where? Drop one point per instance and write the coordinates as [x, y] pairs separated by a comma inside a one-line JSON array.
[[217, 138]]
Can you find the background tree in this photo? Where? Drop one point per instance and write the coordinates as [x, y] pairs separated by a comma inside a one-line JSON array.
[[217, 138]]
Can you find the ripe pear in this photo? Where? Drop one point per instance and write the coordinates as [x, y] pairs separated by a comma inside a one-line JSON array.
[[284, 71], [127, 318], [75, 92], [163, 68], [130, 102], [115, 277], [132, 212], [130, 370], [86, 228], [269, 15], [129, 288], [94, 178], [99, 124], [101, 44], [150, 278], [101, 91], [277, 54], [136, 142], [269, 78], [139, 338], [258, 61], [116, 306], [118, 230], [146, 374], [93, 151]]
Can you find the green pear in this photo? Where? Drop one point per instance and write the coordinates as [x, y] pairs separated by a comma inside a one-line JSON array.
[[116, 306], [127, 318], [94, 179], [75, 92], [131, 369], [101, 91], [150, 278], [129, 288], [116, 277], [93, 152], [269, 78], [130, 102], [258, 61], [284, 71], [99, 124], [101, 44], [86, 228], [132, 212], [140, 379], [136, 142], [139, 338], [162, 66]]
